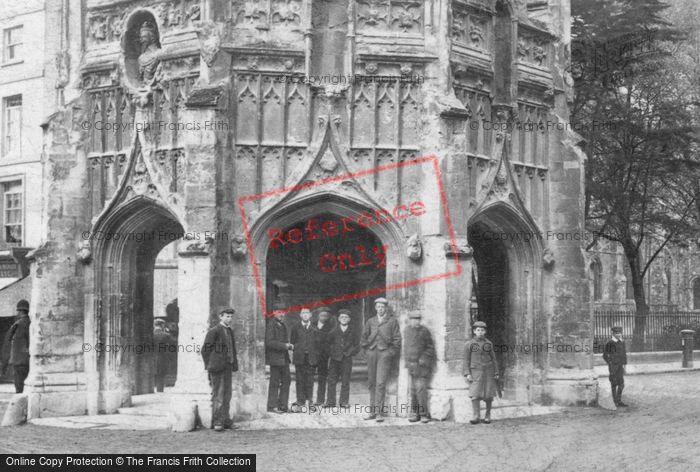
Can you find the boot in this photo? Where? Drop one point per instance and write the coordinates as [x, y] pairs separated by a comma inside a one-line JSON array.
[[476, 412], [619, 397], [487, 416]]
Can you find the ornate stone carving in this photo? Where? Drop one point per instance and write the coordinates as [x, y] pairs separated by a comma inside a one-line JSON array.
[[414, 249], [460, 249], [209, 35], [62, 68], [84, 253], [239, 249], [547, 259], [532, 48], [149, 58]]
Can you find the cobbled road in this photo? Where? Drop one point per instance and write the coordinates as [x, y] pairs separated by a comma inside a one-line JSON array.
[[660, 431]]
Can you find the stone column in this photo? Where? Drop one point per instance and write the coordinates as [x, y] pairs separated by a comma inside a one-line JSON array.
[[194, 268]]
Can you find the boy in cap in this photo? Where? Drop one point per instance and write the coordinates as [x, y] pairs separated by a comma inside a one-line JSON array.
[[324, 324], [305, 339], [419, 357], [220, 360], [615, 355], [481, 371], [17, 341], [381, 338], [277, 347], [343, 344]]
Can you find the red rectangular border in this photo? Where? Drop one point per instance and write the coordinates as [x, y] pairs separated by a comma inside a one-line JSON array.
[[351, 296]]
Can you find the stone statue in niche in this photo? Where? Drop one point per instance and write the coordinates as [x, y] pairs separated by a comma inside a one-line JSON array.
[[149, 59]]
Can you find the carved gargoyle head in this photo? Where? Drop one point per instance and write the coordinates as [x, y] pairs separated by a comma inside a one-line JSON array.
[[84, 254], [414, 249], [238, 247], [548, 259]]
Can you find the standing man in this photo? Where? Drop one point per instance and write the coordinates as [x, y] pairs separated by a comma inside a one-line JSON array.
[[162, 342], [18, 341], [220, 360], [615, 355], [381, 339], [305, 339], [420, 355], [324, 325], [277, 349], [344, 343]]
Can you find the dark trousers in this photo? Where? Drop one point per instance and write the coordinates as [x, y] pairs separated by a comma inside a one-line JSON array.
[[278, 389], [305, 381], [378, 370], [21, 373], [339, 370], [419, 395], [221, 390], [322, 378], [160, 382], [617, 381]]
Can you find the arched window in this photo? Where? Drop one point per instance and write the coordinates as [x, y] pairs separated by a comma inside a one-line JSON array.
[[597, 271], [696, 294]]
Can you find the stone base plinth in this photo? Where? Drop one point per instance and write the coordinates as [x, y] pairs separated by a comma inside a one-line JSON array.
[[570, 388], [57, 403]]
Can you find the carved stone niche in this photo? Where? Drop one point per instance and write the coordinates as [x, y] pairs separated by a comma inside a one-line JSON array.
[[142, 51]]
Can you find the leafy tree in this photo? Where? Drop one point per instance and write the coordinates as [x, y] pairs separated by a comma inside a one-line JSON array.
[[642, 173]]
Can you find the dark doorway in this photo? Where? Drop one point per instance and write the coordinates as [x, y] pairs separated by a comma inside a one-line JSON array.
[[328, 268], [491, 276]]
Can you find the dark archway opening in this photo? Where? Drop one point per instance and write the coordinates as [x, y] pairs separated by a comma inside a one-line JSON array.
[[328, 268], [492, 288], [127, 272]]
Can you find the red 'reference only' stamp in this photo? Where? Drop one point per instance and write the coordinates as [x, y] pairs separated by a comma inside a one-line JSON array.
[[330, 258]]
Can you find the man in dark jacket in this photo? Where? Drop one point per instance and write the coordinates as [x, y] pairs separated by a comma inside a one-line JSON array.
[[277, 349], [615, 355], [381, 338], [306, 341], [324, 324], [419, 357], [18, 344], [343, 344], [220, 360], [162, 342]]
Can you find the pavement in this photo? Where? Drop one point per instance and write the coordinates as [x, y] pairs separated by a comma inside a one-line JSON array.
[[658, 431]]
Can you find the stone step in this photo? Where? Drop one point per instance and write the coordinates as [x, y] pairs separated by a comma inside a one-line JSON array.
[[112, 422], [144, 411]]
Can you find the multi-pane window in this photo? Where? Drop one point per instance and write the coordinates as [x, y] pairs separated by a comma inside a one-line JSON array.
[[12, 44], [12, 213], [12, 124]]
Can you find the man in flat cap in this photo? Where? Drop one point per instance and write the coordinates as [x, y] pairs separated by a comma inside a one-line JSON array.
[[419, 356], [343, 344], [18, 343], [220, 360], [324, 324], [381, 339], [481, 371], [614, 353]]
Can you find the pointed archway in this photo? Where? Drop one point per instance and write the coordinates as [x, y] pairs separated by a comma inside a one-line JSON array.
[[507, 252]]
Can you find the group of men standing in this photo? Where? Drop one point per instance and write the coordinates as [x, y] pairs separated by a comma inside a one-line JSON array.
[[327, 347], [324, 347]]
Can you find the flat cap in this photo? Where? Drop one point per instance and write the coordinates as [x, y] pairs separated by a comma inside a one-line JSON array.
[[381, 300], [344, 311], [415, 314], [479, 324], [321, 309], [616, 329], [23, 305]]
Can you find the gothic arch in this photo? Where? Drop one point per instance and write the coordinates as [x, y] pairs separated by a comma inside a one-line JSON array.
[[508, 252], [128, 240], [326, 202]]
